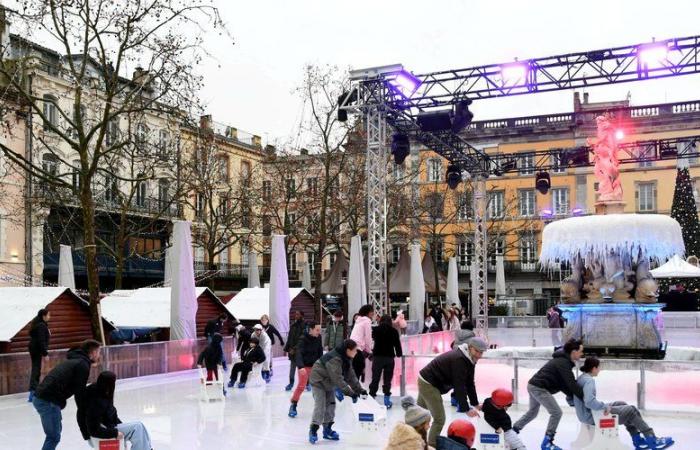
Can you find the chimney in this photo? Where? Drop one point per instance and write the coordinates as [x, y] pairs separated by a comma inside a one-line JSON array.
[[270, 149], [205, 122], [232, 133], [577, 101], [257, 142], [139, 75], [585, 98]]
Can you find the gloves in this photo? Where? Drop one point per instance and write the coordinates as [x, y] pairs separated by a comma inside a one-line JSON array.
[[339, 395]]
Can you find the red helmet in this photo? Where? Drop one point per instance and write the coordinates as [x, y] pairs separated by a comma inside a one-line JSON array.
[[462, 429], [502, 397]]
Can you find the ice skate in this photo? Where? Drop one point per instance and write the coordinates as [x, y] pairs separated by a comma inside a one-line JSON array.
[[387, 401], [548, 444], [330, 434], [313, 434], [292, 410], [658, 443], [289, 387]]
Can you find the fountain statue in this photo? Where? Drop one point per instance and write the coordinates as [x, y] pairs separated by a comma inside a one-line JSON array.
[[607, 168]]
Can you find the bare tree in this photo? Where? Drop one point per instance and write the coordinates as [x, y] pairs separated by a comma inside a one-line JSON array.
[[97, 41]]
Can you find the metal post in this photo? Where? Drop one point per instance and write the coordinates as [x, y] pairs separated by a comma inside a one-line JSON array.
[[515, 381], [641, 387], [403, 376], [480, 298], [138, 360]]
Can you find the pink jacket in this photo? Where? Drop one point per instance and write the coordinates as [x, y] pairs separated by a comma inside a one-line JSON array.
[[362, 334], [400, 321]]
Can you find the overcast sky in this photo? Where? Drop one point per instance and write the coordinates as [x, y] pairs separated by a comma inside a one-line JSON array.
[[252, 88]]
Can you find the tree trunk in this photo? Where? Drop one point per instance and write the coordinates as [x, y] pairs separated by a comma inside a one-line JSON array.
[[119, 268], [93, 276]]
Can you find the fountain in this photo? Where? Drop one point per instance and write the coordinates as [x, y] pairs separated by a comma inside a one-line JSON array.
[[610, 298]]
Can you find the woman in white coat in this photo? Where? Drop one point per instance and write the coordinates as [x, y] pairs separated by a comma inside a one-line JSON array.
[[266, 346]]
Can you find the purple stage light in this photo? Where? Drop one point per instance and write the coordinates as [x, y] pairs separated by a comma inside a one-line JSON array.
[[652, 54], [515, 73], [546, 213], [405, 83], [577, 211]]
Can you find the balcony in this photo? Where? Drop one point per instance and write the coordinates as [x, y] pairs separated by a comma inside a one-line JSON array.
[[509, 266]]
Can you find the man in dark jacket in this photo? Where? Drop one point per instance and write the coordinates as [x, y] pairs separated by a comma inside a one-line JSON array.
[[335, 330], [332, 371], [450, 370], [216, 326], [296, 330], [252, 355], [553, 377], [38, 346], [309, 350], [387, 347], [65, 380]]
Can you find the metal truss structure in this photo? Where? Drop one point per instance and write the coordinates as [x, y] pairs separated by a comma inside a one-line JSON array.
[[380, 103]]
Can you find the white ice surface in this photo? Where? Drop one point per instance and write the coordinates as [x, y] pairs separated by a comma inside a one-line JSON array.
[[256, 418]]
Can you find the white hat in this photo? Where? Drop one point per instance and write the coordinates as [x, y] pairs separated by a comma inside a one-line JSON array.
[[257, 327]]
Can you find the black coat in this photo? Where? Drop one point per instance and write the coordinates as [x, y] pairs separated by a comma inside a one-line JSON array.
[[453, 370], [243, 339], [97, 416], [496, 417], [557, 376], [271, 332], [254, 355], [386, 341], [212, 356], [66, 379], [296, 331], [39, 335], [309, 350], [213, 326]]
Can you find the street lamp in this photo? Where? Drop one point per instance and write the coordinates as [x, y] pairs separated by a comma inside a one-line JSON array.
[[344, 306]]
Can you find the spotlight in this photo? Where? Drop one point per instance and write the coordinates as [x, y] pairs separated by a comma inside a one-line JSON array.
[[652, 54], [400, 147], [454, 176], [542, 182], [508, 165], [405, 83], [346, 98], [513, 74], [462, 116]]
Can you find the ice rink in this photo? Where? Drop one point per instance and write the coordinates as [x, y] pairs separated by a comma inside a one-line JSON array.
[[256, 417]]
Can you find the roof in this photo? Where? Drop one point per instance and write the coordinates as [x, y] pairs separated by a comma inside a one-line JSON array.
[[251, 303], [141, 308], [19, 306], [676, 267]]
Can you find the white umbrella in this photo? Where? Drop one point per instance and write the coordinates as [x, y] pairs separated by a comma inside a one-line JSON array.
[[253, 272], [416, 305], [306, 277], [168, 269], [66, 274], [357, 286], [280, 302], [676, 267], [183, 298], [500, 277], [452, 282]]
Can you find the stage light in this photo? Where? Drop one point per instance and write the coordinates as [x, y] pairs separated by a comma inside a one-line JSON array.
[[577, 212], [546, 213], [508, 165], [574, 157], [619, 135], [667, 151], [513, 74], [345, 99], [435, 121], [400, 147], [652, 54], [462, 116], [454, 176], [542, 182], [405, 83]]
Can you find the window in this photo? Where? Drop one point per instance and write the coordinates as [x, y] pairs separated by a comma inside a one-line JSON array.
[[557, 166], [266, 190], [646, 197], [223, 206], [435, 205], [223, 256], [332, 258], [50, 111], [312, 186], [163, 143], [76, 175], [560, 201], [266, 226], [526, 202], [141, 136], [645, 155], [49, 163], [526, 164], [434, 169], [465, 206], [311, 261], [245, 215], [395, 254], [498, 249], [292, 263], [112, 133], [334, 187], [111, 186], [245, 170], [291, 187], [198, 253], [465, 252], [163, 192], [289, 222], [141, 188], [496, 207], [199, 205], [437, 249], [312, 224], [245, 253], [528, 252], [222, 167]]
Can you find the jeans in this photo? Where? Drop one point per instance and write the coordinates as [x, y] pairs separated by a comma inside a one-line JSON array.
[[324, 406], [630, 417], [36, 370], [429, 397], [539, 396], [51, 419], [304, 373], [137, 434], [292, 371], [382, 365]]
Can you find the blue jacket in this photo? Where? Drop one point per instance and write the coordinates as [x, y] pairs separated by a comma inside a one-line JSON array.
[[589, 403]]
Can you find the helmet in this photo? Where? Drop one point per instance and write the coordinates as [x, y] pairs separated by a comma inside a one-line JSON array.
[[502, 397], [463, 430]]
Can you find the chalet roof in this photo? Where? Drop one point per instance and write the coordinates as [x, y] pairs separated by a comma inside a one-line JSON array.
[[251, 303], [19, 306]]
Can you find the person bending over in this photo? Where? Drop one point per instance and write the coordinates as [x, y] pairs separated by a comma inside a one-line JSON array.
[[212, 357], [495, 411]]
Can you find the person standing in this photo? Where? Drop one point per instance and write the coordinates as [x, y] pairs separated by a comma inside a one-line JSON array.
[[387, 347], [309, 350], [555, 376], [362, 334], [332, 371], [271, 333], [429, 326], [335, 330], [39, 335], [98, 418], [554, 321], [451, 370], [61, 383], [296, 331], [400, 322], [216, 326], [266, 347], [449, 319]]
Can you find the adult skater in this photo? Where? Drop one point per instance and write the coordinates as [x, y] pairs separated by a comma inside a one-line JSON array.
[[387, 347], [309, 350], [65, 380], [39, 336], [627, 415], [332, 371], [266, 346], [553, 377], [335, 330], [252, 355], [98, 418], [411, 434], [296, 331], [271, 333], [211, 357], [362, 334], [243, 336], [216, 326], [462, 336], [451, 370]]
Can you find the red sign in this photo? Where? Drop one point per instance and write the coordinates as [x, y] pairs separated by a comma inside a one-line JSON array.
[[111, 444], [607, 423]]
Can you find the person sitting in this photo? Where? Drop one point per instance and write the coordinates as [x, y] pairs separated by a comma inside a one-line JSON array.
[[97, 416], [212, 357], [495, 411], [460, 436], [627, 415], [412, 433], [252, 355]]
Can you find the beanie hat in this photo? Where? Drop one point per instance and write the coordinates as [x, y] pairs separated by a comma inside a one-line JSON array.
[[478, 343], [257, 327], [415, 415]]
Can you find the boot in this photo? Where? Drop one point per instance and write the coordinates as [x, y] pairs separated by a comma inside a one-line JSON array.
[[289, 387], [453, 401], [330, 434], [230, 383], [658, 443], [387, 401], [313, 434], [548, 443], [292, 410], [241, 385], [639, 442], [31, 397]]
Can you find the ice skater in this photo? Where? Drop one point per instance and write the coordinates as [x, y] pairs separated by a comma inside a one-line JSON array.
[[309, 350], [252, 355], [412, 433], [387, 347], [643, 436], [212, 357], [266, 345], [39, 336], [271, 333], [462, 336], [495, 411], [296, 331], [555, 376], [460, 436], [362, 334], [332, 371], [214, 326]]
